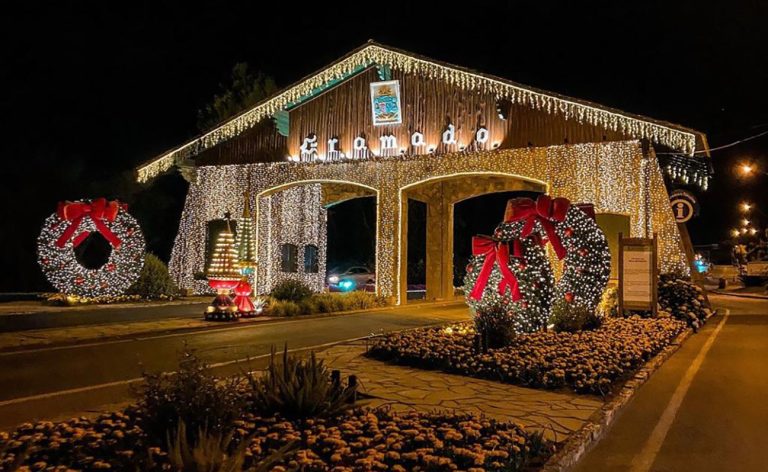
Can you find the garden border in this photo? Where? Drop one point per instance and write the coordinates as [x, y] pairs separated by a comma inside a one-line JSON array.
[[582, 441]]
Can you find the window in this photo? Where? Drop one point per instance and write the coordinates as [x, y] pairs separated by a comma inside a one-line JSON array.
[[289, 258], [311, 265]]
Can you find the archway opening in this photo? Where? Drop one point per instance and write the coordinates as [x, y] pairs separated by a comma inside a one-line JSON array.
[[473, 216], [478, 200], [315, 232], [351, 259]]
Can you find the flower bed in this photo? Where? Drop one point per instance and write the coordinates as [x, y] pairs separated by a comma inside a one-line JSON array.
[[361, 439], [587, 361]]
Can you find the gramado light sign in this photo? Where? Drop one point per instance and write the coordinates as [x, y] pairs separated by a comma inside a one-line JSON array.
[[385, 108], [388, 146]]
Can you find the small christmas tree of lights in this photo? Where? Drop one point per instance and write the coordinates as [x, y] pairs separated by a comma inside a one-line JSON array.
[[223, 275], [245, 240]]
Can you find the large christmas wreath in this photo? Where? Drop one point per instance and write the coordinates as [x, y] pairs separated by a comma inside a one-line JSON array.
[[70, 226], [516, 286]]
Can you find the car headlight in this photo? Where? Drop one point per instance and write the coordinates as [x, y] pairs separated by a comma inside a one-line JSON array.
[[333, 279], [347, 284]]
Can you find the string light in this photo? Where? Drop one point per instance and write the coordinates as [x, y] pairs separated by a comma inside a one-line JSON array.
[[113, 278], [615, 176], [536, 283], [371, 54]]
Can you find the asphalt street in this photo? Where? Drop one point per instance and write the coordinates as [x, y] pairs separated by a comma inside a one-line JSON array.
[[705, 409], [58, 382]]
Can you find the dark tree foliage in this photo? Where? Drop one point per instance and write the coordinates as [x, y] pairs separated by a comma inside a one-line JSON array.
[[246, 88]]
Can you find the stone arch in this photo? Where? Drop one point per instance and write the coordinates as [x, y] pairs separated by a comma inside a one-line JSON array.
[[440, 193], [275, 228]]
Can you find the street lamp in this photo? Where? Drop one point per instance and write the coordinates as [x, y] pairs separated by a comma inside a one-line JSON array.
[[752, 231], [747, 169], [745, 222], [735, 233], [745, 207]]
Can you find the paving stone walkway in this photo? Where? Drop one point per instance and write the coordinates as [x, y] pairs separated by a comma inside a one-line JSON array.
[[556, 414]]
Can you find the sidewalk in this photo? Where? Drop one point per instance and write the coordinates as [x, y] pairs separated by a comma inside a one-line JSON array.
[[557, 415], [25, 307], [12, 340], [39, 338]]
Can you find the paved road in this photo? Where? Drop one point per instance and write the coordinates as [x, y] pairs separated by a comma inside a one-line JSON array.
[[100, 315], [711, 419], [54, 382]]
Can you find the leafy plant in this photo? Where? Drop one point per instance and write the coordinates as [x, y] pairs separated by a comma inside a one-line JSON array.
[[495, 327], [291, 290], [193, 396], [572, 317], [609, 304], [296, 388], [154, 280], [208, 452]]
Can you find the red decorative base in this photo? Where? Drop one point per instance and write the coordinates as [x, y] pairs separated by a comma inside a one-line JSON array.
[[222, 308]]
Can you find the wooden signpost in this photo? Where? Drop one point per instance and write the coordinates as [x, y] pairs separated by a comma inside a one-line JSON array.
[[638, 274]]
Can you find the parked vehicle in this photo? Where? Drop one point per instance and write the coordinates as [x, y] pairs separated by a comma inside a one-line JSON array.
[[354, 278]]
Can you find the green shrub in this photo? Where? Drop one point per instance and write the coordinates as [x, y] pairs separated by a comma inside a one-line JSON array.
[[324, 303], [296, 388], [683, 299], [206, 453], [154, 280], [495, 328], [191, 395], [283, 308], [573, 317], [291, 290], [329, 302]]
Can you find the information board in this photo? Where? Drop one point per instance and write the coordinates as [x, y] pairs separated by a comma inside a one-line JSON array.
[[638, 274]]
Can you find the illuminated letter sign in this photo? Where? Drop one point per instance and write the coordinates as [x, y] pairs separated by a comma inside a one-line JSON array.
[[449, 135], [309, 148], [388, 141], [417, 139], [482, 135]]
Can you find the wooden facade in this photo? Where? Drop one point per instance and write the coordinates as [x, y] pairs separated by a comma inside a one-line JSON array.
[[428, 106]]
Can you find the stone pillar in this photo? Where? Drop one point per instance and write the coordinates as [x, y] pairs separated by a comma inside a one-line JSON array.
[[388, 249], [439, 263]]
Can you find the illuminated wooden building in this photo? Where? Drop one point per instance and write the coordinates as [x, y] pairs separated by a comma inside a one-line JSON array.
[[440, 134]]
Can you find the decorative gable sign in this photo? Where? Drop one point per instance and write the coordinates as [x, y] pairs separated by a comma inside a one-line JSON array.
[[385, 103], [385, 110]]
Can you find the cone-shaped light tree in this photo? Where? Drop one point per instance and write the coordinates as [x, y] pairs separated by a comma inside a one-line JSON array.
[[245, 240], [223, 275]]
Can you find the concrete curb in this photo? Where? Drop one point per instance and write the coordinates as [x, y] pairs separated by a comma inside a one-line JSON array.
[[582, 441], [740, 295]]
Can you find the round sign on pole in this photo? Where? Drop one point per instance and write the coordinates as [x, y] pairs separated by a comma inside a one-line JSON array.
[[684, 205]]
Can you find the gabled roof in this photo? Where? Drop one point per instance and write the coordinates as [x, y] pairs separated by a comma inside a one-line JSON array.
[[667, 134]]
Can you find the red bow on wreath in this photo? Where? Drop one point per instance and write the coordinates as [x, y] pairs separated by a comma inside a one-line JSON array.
[[495, 251], [545, 210], [98, 210]]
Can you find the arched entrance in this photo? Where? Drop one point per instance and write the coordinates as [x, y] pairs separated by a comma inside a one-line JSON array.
[[291, 230], [439, 195]]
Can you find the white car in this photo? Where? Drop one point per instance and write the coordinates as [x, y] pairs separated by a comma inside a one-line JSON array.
[[354, 278]]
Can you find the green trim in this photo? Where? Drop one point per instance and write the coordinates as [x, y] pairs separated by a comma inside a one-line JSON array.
[[282, 122], [385, 72], [331, 83]]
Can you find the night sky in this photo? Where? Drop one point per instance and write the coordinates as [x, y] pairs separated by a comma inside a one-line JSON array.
[[90, 89]]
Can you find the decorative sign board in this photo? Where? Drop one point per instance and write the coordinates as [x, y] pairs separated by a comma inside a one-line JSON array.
[[638, 274], [385, 103], [684, 205]]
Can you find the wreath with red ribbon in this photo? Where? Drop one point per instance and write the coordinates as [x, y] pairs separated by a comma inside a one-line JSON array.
[[510, 273], [70, 226]]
